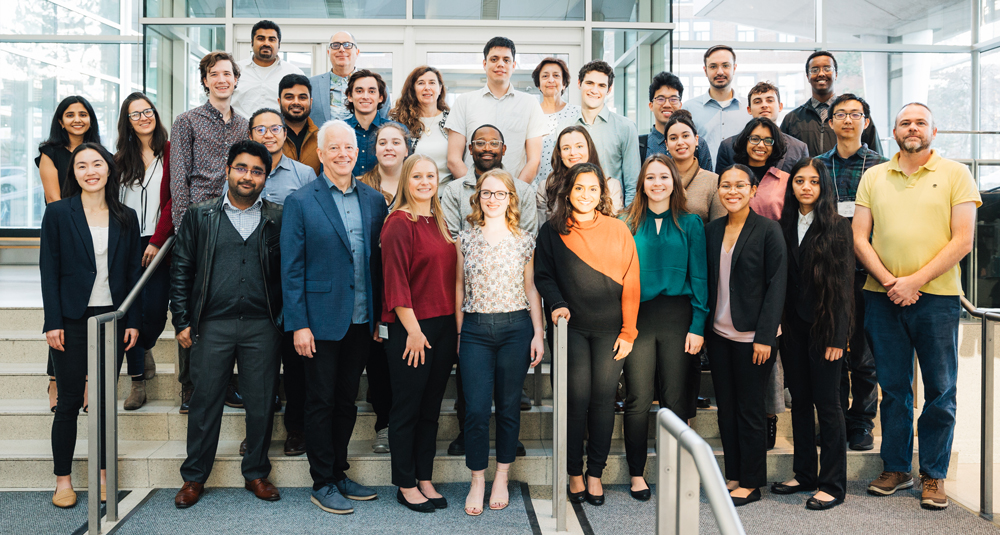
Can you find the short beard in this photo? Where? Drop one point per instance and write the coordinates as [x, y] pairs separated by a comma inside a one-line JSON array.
[[292, 119], [723, 86], [497, 164], [245, 199], [924, 145]]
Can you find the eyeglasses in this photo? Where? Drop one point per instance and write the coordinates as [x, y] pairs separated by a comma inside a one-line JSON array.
[[275, 129], [840, 115], [825, 69], [147, 113], [739, 186], [755, 140], [242, 171], [347, 46], [498, 195], [482, 144], [674, 101]]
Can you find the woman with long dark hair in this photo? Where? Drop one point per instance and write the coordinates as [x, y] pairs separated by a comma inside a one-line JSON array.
[[700, 185], [143, 159], [587, 271], [423, 110], [89, 259], [674, 305], [819, 306], [761, 148], [574, 146]]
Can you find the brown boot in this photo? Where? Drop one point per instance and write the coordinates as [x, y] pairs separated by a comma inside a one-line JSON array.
[[137, 397], [149, 366]]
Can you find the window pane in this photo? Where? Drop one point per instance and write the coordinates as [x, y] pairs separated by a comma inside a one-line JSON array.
[[186, 8], [313, 9], [463, 71], [989, 110], [89, 17], [631, 10], [925, 22], [988, 239], [173, 81], [740, 20], [499, 10]]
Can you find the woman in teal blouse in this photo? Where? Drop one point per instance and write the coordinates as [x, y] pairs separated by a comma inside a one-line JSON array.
[[673, 308]]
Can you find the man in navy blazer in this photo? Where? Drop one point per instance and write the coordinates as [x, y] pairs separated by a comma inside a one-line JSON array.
[[331, 268], [329, 89]]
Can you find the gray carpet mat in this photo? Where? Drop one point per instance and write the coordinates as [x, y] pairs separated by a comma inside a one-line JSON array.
[[32, 512], [860, 514], [236, 511]]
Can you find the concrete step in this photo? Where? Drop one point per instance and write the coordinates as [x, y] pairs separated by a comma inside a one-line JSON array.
[[23, 346], [143, 464], [32, 319]]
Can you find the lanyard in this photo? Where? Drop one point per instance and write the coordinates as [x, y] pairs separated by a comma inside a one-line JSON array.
[[833, 163]]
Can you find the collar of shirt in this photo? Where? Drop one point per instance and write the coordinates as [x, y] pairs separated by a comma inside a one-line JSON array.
[[604, 115], [655, 137], [333, 186], [251, 64], [211, 111], [376, 122], [339, 82], [226, 205], [805, 220], [706, 99], [283, 163], [858, 155], [815, 104], [486, 91], [931, 164]]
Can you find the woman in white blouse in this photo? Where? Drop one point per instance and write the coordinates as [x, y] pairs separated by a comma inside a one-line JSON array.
[[552, 78], [423, 111]]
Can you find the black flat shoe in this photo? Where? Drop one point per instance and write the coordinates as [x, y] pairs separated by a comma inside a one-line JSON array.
[[752, 497], [426, 507], [594, 500], [781, 488], [438, 503], [575, 497], [820, 505], [641, 495]]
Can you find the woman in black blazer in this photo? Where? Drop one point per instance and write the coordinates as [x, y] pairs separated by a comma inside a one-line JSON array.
[[747, 270], [90, 258], [818, 314]]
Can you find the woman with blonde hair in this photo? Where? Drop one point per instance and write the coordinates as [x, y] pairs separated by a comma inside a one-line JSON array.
[[423, 111]]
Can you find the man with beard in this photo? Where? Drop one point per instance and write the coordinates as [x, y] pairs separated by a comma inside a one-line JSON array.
[[809, 122], [262, 71], [718, 114], [919, 212], [225, 297], [295, 99]]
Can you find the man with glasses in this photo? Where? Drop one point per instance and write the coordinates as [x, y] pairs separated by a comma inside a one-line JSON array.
[[262, 71], [809, 122], [847, 163], [330, 88], [225, 300], [718, 114], [764, 101], [665, 93]]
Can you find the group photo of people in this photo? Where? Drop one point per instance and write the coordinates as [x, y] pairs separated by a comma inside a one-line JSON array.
[[792, 254]]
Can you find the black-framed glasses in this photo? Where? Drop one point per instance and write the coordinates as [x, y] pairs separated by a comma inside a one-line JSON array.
[[674, 101], [755, 140], [275, 129], [482, 144], [498, 195], [347, 45], [147, 113], [841, 115], [242, 171]]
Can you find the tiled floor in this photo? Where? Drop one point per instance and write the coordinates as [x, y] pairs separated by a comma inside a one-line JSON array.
[[20, 286]]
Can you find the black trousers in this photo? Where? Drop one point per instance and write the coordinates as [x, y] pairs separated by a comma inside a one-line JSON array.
[[857, 377], [379, 389], [592, 377], [416, 398], [255, 344], [70, 369], [155, 298], [333, 378], [814, 382], [658, 364], [740, 386], [294, 375]]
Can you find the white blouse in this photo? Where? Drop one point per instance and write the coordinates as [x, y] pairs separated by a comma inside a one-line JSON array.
[[145, 198], [100, 295], [804, 222], [434, 144]]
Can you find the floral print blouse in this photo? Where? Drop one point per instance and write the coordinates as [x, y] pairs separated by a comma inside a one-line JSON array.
[[494, 274]]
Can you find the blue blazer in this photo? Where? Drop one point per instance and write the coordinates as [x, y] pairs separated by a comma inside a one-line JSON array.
[[316, 260], [69, 266], [320, 112]]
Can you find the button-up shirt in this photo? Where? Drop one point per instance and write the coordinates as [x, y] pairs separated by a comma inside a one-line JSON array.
[[245, 221], [805, 221], [716, 123], [349, 207], [258, 86], [456, 206], [657, 144], [366, 143], [199, 142], [617, 142], [847, 172]]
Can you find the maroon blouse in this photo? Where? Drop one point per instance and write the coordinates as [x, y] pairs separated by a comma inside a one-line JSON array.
[[418, 265]]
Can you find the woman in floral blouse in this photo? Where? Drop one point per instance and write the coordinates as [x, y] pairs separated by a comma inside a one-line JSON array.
[[499, 313]]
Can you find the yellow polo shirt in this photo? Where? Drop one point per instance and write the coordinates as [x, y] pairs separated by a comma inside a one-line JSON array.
[[912, 216]]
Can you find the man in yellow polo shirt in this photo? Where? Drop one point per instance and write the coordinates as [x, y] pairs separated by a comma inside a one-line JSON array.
[[920, 211]]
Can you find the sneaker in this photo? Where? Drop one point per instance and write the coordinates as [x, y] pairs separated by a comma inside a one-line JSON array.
[[330, 500], [354, 490], [457, 446], [933, 496], [861, 440], [381, 442], [772, 431], [889, 482]]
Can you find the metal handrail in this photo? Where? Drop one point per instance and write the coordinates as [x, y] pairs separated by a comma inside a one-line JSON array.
[[559, 383], [108, 385], [685, 464], [986, 439]]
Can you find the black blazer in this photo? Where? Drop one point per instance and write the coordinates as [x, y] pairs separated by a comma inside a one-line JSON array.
[[69, 266], [801, 296], [757, 277]]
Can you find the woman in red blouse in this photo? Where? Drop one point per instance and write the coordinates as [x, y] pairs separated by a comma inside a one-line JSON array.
[[419, 263]]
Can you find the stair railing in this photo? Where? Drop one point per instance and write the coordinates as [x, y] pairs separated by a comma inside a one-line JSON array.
[[988, 317]]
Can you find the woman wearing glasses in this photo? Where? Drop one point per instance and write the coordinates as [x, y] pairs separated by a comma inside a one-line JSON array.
[[423, 111], [746, 294], [143, 161], [760, 147]]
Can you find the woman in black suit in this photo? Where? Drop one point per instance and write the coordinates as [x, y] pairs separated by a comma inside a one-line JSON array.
[[818, 315], [90, 258], [747, 270]]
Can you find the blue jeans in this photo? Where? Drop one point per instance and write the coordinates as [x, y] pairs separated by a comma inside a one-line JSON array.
[[930, 326], [494, 356]]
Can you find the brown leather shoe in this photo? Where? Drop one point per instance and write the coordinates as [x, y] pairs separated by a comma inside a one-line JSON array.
[[295, 444], [243, 447], [263, 489], [189, 494]]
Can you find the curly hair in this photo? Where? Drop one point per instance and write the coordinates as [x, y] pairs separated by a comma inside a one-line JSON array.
[[407, 109], [358, 75], [210, 60], [563, 213], [513, 214], [636, 213]]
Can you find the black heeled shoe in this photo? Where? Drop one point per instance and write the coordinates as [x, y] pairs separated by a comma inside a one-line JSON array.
[[752, 497], [576, 497], [425, 507], [820, 505], [781, 488]]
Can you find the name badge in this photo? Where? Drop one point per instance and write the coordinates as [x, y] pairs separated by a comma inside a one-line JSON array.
[[846, 208]]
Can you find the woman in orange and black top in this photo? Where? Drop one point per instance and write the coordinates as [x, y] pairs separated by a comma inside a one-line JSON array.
[[587, 270]]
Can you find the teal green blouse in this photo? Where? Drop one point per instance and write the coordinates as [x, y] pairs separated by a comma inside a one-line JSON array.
[[673, 262]]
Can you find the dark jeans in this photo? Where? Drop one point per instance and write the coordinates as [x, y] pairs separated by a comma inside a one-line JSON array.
[[70, 368], [857, 375], [256, 345], [495, 354], [740, 386], [658, 362], [814, 381], [333, 378], [592, 378], [929, 326], [295, 385], [416, 398], [155, 297], [379, 389]]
